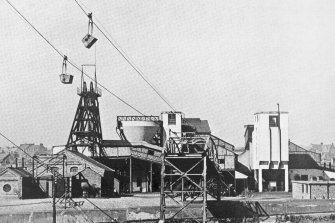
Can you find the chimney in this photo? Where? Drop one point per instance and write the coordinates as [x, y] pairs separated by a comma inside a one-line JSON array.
[[16, 166], [22, 164]]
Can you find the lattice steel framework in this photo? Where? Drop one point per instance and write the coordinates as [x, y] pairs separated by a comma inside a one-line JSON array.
[[86, 131], [190, 172]]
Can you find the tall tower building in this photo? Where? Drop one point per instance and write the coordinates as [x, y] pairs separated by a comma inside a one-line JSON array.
[[269, 154]]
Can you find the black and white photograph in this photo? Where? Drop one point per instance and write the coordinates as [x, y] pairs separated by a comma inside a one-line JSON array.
[[167, 111]]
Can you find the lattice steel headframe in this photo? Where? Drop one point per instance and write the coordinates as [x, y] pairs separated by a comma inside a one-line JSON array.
[[86, 128], [189, 171]]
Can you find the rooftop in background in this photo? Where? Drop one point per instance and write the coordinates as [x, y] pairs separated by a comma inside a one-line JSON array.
[[32, 149]]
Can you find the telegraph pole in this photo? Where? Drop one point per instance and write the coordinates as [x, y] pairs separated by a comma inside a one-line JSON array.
[[53, 178]]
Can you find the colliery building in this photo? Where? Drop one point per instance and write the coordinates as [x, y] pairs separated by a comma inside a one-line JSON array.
[[132, 164]]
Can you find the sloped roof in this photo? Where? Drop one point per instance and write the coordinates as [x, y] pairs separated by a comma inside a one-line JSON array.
[[17, 171], [21, 172], [88, 160], [200, 126], [330, 174], [3, 156], [125, 143], [239, 175]]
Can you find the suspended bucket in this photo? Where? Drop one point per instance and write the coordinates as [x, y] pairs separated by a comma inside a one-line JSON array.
[[89, 39], [64, 77]]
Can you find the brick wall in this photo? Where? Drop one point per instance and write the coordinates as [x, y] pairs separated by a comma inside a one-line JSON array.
[[313, 190], [319, 191], [331, 192]]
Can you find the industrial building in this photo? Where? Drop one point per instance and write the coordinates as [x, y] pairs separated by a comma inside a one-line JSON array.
[[18, 183], [266, 153]]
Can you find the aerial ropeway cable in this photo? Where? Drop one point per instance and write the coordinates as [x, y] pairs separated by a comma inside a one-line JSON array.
[[69, 61]]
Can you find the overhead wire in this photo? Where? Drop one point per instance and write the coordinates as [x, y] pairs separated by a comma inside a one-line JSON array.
[[126, 57], [46, 166], [69, 61], [27, 154]]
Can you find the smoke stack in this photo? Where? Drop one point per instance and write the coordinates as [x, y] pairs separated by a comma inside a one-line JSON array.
[[22, 164]]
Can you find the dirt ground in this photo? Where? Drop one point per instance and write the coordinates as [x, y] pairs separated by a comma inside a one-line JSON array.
[[8, 206]]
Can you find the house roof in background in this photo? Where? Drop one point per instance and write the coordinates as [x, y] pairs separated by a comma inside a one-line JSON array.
[[3, 156]]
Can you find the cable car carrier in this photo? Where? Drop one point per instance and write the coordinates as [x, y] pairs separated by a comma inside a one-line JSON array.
[[64, 77]]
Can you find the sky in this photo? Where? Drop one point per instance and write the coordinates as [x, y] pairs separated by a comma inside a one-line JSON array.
[[220, 61]]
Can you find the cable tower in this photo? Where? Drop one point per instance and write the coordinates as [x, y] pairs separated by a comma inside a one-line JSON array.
[[86, 135]]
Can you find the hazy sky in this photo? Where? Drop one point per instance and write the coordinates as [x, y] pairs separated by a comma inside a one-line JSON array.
[[217, 60]]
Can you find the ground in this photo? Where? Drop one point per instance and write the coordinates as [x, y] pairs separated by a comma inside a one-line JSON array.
[[8, 206], [137, 206]]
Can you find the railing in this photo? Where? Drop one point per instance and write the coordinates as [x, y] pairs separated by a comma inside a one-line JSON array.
[[214, 147], [221, 143], [137, 118], [96, 91], [185, 145]]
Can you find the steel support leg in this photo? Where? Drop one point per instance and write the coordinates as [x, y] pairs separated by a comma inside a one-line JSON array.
[[204, 205], [162, 197]]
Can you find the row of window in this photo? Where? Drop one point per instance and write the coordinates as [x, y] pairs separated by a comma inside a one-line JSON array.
[[72, 169]]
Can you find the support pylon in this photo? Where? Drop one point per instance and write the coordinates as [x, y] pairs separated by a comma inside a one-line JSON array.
[[184, 176]]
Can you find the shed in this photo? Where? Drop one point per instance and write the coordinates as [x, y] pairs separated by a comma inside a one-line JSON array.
[[89, 183], [18, 183], [313, 189]]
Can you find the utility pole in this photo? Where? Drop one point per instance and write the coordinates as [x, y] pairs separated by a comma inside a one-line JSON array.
[[53, 178]]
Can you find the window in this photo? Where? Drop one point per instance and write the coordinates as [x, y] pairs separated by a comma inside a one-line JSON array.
[[302, 187], [306, 188], [221, 161], [171, 119], [139, 181], [74, 169], [273, 121], [151, 152], [7, 188], [54, 169], [296, 177], [304, 177]]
